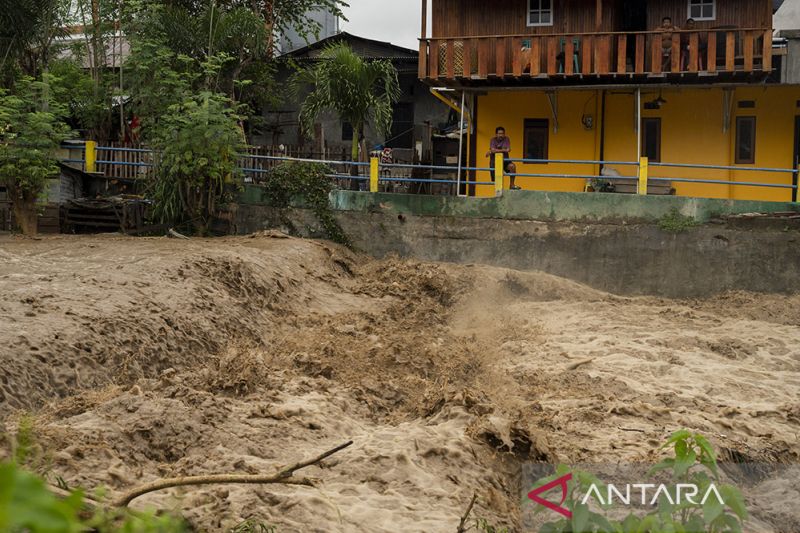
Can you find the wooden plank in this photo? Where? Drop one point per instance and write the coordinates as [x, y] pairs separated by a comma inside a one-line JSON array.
[[552, 68], [694, 45], [466, 68], [655, 66], [516, 56], [433, 70], [676, 53], [569, 55], [749, 46], [730, 51], [767, 51], [603, 54], [449, 55], [640, 53], [586, 55], [711, 61], [536, 56], [500, 57], [622, 54], [483, 58]]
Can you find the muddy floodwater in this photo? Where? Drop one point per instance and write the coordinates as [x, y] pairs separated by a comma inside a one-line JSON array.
[[152, 357]]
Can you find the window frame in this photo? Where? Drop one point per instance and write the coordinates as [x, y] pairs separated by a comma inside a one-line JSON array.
[[537, 122], [656, 120], [539, 10], [753, 138], [701, 4]]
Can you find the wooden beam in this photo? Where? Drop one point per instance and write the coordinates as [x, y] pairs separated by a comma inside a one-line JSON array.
[[424, 33], [598, 15], [640, 53], [622, 50], [767, 59]]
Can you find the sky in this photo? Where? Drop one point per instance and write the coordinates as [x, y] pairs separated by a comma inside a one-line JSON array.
[[395, 21]]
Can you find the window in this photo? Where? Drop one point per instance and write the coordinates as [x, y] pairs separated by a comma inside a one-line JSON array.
[[651, 139], [703, 9], [537, 131], [347, 131], [745, 140], [540, 12]]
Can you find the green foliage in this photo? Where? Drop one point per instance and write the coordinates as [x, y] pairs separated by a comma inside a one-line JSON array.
[[674, 222], [31, 131], [694, 463], [305, 181], [27, 505], [200, 142], [358, 91]]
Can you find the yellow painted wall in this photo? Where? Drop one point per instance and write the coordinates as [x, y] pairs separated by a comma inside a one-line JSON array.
[[692, 132]]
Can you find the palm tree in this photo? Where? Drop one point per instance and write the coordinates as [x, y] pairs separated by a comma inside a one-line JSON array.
[[358, 91]]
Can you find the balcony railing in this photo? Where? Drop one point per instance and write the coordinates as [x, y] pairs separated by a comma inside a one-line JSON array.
[[655, 53]]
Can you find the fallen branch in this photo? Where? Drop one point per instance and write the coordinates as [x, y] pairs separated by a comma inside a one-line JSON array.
[[462, 525], [283, 476], [573, 366]]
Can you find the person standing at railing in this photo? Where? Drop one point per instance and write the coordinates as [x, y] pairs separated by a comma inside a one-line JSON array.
[[667, 28], [501, 144], [686, 47]]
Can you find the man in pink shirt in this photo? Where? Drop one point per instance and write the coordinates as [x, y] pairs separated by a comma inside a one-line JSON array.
[[500, 144]]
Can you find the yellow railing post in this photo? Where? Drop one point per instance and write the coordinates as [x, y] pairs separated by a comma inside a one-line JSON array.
[[499, 174], [91, 156], [643, 171], [374, 171]]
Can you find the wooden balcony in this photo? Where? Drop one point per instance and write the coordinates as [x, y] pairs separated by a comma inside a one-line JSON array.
[[705, 56]]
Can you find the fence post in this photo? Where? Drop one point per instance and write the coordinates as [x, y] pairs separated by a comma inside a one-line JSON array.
[[499, 174], [643, 170], [91, 157], [374, 171]]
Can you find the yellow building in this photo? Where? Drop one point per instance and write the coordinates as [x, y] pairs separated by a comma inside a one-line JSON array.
[[694, 126], [615, 82]]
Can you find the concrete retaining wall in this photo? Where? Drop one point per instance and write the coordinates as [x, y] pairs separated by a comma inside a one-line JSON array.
[[622, 258]]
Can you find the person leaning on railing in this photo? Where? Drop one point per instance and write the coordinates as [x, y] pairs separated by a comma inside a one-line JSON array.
[[500, 144], [667, 28]]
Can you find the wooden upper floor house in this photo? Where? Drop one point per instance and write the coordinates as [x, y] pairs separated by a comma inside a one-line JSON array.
[[585, 42]]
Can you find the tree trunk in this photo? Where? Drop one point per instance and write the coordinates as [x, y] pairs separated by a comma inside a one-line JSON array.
[[27, 218]]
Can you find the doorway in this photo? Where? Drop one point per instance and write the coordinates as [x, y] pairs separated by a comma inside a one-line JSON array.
[[633, 19]]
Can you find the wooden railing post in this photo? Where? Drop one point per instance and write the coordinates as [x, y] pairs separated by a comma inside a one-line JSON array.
[[730, 51], [622, 54], [423, 59], [433, 62], [90, 159], [711, 61], [766, 60], [499, 174]]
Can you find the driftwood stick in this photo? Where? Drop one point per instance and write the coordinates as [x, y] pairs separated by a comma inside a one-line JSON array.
[[283, 476], [462, 526]]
